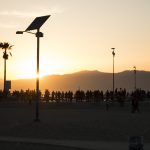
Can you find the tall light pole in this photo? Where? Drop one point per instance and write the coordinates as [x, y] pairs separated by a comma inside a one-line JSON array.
[[134, 77], [36, 25], [113, 53]]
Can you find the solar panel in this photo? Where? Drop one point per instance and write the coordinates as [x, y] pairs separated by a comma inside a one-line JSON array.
[[37, 23]]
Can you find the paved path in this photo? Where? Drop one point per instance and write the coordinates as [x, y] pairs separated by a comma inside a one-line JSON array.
[[95, 145]]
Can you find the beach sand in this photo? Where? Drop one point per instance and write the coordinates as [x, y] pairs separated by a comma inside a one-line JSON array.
[[75, 122]]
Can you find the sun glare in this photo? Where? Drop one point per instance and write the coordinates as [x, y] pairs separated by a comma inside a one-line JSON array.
[[28, 69], [28, 75]]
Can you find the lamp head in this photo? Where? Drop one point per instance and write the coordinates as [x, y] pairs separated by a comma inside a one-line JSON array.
[[19, 32]]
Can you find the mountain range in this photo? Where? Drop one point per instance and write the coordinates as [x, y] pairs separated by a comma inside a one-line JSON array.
[[86, 80]]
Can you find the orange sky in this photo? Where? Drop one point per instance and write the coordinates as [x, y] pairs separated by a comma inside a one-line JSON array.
[[78, 36]]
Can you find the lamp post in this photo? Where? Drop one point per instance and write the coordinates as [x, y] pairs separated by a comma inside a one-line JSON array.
[[134, 77], [113, 53], [36, 24]]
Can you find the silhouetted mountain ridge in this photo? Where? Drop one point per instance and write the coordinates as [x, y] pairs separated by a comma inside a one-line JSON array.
[[87, 80]]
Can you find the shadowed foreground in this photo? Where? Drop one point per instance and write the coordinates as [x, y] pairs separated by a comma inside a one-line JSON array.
[[75, 122], [29, 146]]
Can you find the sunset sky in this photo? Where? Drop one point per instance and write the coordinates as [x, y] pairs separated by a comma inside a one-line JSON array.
[[78, 36]]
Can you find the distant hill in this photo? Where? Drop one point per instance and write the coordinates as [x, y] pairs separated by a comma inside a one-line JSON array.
[[86, 80]]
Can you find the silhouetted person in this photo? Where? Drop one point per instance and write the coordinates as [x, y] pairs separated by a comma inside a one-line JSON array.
[[135, 102], [107, 99]]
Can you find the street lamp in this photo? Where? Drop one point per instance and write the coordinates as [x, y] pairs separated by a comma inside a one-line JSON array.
[[134, 77], [113, 53], [36, 25]]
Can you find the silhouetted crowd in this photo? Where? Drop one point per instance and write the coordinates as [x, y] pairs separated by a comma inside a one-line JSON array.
[[96, 96]]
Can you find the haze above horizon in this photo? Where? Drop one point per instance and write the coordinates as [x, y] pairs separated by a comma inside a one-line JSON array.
[[78, 36]]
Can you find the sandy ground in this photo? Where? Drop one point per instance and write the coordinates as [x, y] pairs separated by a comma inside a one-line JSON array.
[[29, 146], [75, 122]]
